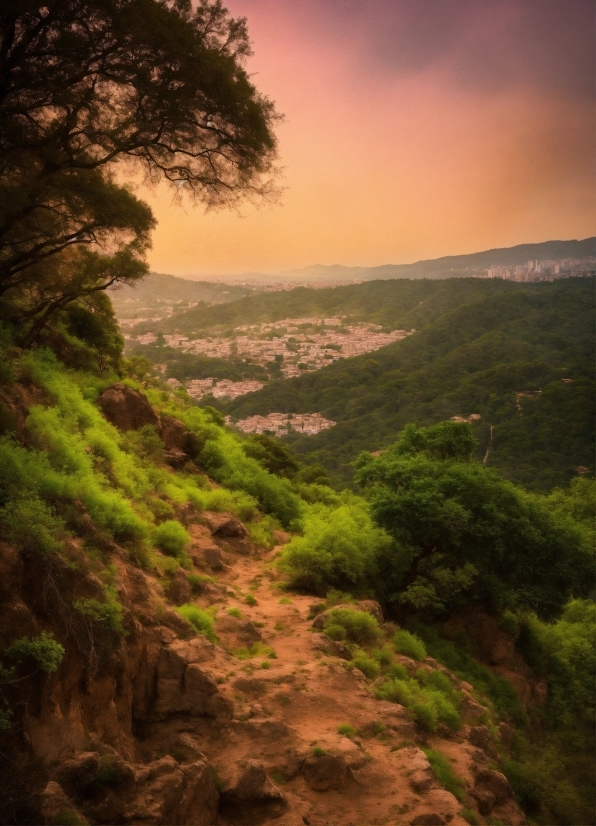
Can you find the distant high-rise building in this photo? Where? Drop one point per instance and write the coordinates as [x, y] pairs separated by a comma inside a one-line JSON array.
[[557, 269]]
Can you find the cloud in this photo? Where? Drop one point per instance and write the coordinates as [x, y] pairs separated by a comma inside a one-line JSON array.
[[485, 45]]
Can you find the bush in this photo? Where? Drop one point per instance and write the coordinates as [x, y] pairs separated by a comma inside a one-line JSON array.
[[335, 632], [360, 626], [369, 667], [250, 600], [256, 649], [202, 621], [384, 656], [470, 817], [42, 651], [235, 612], [409, 645], [444, 773], [106, 614], [171, 538], [346, 731], [429, 705]]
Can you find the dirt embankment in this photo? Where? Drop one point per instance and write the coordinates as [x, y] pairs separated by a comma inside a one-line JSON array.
[[168, 728]]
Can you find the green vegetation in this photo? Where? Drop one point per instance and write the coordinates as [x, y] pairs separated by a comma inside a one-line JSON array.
[[479, 344], [368, 665], [358, 626], [104, 614], [171, 538], [445, 775], [250, 600], [470, 817], [202, 621], [430, 701], [42, 652], [346, 730], [318, 752], [409, 645], [235, 612]]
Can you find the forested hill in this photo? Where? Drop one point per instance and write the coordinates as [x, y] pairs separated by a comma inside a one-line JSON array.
[[479, 345], [394, 304]]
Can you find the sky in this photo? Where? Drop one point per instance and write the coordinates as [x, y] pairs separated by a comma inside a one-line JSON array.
[[412, 129]]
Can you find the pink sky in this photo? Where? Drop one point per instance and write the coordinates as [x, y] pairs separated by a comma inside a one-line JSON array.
[[413, 129]]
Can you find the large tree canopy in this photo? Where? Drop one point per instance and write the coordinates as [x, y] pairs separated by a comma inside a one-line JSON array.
[[87, 85], [463, 534]]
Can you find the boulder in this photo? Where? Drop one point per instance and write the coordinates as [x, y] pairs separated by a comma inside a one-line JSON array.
[[215, 558], [428, 819], [237, 632], [325, 771], [491, 789], [396, 718], [479, 736], [250, 797], [332, 647], [174, 434], [420, 774], [56, 806], [127, 409], [178, 589], [176, 458], [77, 773], [225, 525]]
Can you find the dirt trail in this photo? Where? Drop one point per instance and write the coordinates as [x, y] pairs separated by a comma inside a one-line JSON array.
[[292, 699]]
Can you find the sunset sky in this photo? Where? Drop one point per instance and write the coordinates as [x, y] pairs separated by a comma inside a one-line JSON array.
[[413, 129]]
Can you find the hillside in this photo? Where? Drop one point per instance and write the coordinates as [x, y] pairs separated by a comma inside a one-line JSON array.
[[479, 345]]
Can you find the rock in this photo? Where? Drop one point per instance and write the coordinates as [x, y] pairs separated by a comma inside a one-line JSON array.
[[162, 792], [251, 686], [176, 458], [397, 718], [471, 709], [268, 730], [509, 814], [55, 805], [428, 819], [442, 803], [251, 797], [370, 606], [225, 524], [127, 409], [238, 632], [214, 558], [421, 775], [174, 433], [479, 736], [491, 789], [178, 589], [75, 774], [326, 771], [332, 647]]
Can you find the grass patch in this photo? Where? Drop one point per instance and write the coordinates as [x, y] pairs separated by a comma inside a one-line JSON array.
[[250, 600], [286, 601], [256, 649], [470, 817], [202, 621], [444, 774], [235, 612], [369, 667], [318, 752], [409, 645], [346, 730], [359, 626]]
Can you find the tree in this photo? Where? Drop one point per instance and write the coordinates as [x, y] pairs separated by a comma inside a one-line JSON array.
[[91, 88], [463, 534]]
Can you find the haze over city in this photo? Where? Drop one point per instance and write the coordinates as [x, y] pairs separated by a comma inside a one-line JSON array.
[[412, 130]]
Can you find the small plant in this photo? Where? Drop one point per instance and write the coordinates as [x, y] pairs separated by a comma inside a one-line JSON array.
[[171, 538], [409, 645], [106, 614], [235, 612], [42, 651], [346, 730], [470, 817], [369, 667], [444, 774], [278, 777], [68, 817], [217, 781], [384, 656], [257, 649], [202, 621], [315, 609], [250, 600], [318, 752], [285, 601], [265, 664]]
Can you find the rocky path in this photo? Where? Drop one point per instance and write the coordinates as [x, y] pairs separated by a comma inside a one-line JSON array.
[[289, 700]]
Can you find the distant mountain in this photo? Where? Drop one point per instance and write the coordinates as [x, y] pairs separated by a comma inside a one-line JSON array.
[[446, 267]]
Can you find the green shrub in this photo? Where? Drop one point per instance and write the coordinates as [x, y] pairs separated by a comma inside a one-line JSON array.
[[318, 751], [360, 626], [202, 621], [171, 538], [346, 730], [106, 614], [444, 773], [396, 671], [470, 817], [395, 691], [250, 600], [256, 649], [384, 656], [42, 651], [409, 645], [235, 612], [32, 526], [369, 667], [335, 632], [428, 705]]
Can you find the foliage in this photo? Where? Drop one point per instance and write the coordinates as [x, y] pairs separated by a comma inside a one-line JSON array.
[[479, 344], [250, 600], [201, 620], [171, 538], [368, 665], [159, 84], [359, 626], [346, 730], [336, 547], [104, 614], [409, 644], [444, 773], [42, 651], [463, 534]]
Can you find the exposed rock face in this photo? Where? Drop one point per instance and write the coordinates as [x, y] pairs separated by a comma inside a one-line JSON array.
[[174, 434], [326, 771], [127, 409], [491, 789], [250, 796], [420, 773], [332, 647], [55, 805]]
